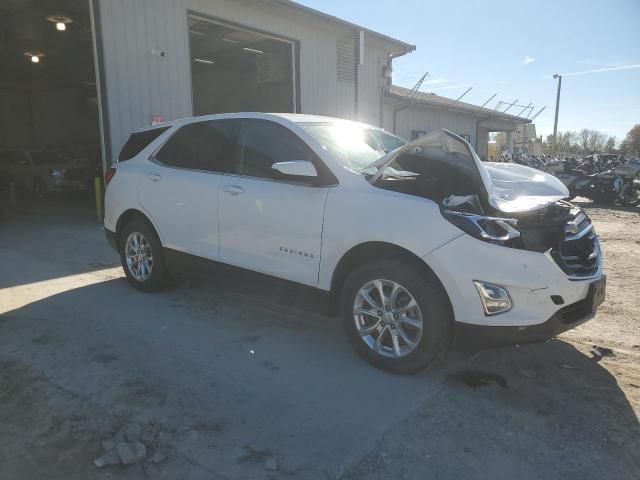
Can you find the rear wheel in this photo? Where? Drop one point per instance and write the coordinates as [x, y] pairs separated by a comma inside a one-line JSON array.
[[396, 317], [142, 256]]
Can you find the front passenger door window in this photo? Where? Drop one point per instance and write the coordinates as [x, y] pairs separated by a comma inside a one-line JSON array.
[[263, 143]]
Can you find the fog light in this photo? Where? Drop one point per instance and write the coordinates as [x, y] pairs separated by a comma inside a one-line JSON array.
[[495, 299]]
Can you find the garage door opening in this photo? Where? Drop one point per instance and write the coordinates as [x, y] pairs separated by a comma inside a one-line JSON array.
[[50, 147], [238, 70]]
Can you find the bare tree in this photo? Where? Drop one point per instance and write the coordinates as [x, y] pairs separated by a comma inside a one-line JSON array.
[[597, 141], [610, 146], [584, 135], [581, 142]]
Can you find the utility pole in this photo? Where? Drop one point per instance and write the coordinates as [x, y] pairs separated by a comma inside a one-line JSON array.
[[555, 123]]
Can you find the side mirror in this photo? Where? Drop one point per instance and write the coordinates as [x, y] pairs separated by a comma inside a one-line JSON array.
[[296, 168]]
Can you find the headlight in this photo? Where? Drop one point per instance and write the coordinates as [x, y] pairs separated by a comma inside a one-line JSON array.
[[56, 172], [495, 299], [490, 229]]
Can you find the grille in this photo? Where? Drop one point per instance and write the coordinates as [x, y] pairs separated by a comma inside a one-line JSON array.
[[579, 253]]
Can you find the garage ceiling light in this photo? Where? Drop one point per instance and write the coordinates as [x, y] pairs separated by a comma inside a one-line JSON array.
[[196, 32], [34, 56], [253, 50], [61, 21], [229, 40], [203, 60]]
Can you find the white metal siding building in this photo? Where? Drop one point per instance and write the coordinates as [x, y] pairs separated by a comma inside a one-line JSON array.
[[144, 61], [410, 114]]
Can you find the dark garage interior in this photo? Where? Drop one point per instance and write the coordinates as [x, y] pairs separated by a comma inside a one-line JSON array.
[[237, 70], [49, 130]]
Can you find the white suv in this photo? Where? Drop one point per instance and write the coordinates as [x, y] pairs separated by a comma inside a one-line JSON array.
[[418, 244]]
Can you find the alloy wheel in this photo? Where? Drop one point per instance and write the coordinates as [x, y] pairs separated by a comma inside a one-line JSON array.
[[139, 257], [388, 318]]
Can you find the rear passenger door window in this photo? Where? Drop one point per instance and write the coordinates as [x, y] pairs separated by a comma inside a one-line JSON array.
[[207, 146], [263, 143]]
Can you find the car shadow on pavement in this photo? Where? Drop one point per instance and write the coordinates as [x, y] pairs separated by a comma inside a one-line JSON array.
[[539, 411], [219, 370]]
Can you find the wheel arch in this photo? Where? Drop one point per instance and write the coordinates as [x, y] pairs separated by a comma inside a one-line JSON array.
[[128, 215], [371, 251]]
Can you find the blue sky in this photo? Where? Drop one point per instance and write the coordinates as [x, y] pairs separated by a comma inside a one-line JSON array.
[[512, 49]]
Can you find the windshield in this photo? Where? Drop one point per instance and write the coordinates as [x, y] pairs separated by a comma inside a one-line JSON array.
[[354, 146], [49, 158]]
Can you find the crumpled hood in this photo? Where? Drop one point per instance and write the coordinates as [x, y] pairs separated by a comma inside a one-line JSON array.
[[509, 187], [518, 188]]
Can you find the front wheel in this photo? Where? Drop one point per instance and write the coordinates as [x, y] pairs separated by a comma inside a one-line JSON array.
[[142, 256], [396, 317]]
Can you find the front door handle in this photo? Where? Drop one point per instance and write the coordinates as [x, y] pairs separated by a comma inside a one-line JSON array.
[[154, 177], [233, 189]]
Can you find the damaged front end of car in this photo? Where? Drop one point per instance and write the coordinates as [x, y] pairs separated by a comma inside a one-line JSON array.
[[505, 204]]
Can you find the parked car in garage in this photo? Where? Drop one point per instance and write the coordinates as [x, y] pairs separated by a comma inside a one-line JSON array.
[[43, 171], [416, 247]]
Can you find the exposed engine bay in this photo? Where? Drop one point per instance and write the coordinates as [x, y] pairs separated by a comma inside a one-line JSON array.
[[505, 204]]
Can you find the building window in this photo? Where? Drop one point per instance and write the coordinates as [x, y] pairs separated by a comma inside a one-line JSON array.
[[417, 134]]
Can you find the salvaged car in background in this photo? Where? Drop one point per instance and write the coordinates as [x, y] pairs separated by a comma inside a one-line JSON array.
[[44, 171], [416, 247], [604, 178]]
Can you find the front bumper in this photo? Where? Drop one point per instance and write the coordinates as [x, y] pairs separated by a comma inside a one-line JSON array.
[[473, 337], [534, 282]]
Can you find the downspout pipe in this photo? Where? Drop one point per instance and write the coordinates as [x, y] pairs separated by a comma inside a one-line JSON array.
[[386, 88]]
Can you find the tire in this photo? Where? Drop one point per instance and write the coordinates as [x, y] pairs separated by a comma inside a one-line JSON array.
[[138, 232], [432, 306], [630, 201]]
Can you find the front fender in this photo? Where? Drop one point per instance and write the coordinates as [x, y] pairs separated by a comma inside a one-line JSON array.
[[354, 216]]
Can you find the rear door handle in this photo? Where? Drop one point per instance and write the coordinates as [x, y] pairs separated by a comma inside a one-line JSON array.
[[233, 189], [154, 177]]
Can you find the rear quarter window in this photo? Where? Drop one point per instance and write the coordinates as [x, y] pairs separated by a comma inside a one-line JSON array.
[[138, 142]]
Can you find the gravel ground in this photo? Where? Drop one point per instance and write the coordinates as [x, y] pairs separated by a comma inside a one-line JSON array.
[[229, 377]]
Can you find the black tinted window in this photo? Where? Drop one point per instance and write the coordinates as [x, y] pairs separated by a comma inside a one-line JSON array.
[[263, 143], [138, 141], [202, 146]]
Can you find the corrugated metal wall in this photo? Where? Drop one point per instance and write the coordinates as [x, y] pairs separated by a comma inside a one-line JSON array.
[[139, 84], [428, 120], [371, 81]]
